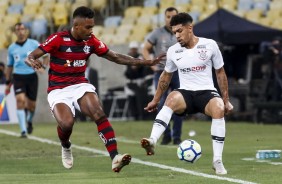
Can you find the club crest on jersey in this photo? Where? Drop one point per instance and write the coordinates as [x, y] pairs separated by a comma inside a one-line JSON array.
[[86, 49], [203, 54]]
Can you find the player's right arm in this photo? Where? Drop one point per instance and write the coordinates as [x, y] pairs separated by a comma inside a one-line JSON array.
[[32, 59], [163, 85]]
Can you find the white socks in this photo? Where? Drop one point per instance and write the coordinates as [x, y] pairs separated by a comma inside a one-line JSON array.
[[218, 136], [160, 123]]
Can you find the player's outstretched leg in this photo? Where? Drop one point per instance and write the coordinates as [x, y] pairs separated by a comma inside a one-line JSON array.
[[219, 167], [148, 145], [120, 161]]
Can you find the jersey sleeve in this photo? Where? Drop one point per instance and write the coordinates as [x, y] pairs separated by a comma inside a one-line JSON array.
[[52, 43], [216, 56], [170, 65], [100, 48], [10, 58], [152, 37]]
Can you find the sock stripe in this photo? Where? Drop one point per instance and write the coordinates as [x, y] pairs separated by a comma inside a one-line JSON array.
[[158, 121], [218, 138]]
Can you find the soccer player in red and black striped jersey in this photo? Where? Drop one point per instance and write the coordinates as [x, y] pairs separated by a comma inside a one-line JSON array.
[[69, 89]]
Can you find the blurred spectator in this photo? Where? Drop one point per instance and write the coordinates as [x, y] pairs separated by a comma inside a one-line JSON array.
[[273, 53], [136, 87], [2, 73]]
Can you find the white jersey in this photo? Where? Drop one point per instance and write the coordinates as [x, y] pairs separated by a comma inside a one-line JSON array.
[[195, 65]]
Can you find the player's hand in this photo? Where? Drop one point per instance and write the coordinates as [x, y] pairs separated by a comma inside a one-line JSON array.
[[158, 59], [35, 64], [7, 89], [228, 107], [151, 107]]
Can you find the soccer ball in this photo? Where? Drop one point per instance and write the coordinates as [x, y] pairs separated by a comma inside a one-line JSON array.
[[189, 151]]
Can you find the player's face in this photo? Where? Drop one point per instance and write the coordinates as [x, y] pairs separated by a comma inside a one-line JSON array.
[[20, 32], [168, 16], [183, 34], [83, 28]]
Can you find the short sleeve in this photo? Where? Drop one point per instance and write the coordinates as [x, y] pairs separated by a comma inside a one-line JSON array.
[[10, 58], [216, 56], [52, 43], [100, 48], [152, 37], [170, 65]]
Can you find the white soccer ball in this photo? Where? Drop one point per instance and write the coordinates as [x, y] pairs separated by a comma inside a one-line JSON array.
[[189, 151]]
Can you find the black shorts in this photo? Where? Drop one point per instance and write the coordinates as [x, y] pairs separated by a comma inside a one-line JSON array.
[[196, 101], [27, 84]]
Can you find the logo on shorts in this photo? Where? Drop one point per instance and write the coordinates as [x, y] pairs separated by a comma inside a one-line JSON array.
[[215, 94]]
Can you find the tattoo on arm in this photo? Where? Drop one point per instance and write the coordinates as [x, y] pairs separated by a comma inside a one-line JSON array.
[[163, 85]]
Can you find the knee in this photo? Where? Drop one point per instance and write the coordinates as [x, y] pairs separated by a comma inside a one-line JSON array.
[[218, 110], [66, 123]]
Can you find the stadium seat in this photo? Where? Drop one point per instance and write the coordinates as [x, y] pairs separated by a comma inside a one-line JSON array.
[[128, 21], [124, 29], [151, 3], [15, 9], [11, 19], [76, 4], [158, 20], [166, 3], [33, 3], [264, 6], [245, 5], [98, 4], [109, 30], [97, 30], [182, 2], [240, 13], [183, 7], [107, 38], [276, 5], [112, 21], [133, 11], [120, 39], [195, 15], [145, 20], [149, 11], [60, 18], [265, 21], [254, 15], [39, 29], [274, 14], [30, 11], [13, 2]]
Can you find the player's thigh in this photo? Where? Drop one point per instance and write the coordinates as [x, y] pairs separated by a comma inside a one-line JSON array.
[[90, 105], [176, 102], [63, 115], [215, 108]]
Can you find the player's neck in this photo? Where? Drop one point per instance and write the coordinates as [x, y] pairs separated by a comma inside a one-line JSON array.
[[192, 42]]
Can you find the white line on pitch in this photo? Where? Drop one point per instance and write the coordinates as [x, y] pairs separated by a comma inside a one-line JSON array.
[[135, 160]]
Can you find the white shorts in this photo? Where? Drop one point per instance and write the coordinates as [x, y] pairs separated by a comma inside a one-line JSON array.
[[69, 95]]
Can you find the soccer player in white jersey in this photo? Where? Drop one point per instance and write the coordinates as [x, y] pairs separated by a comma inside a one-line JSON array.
[[194, 58]]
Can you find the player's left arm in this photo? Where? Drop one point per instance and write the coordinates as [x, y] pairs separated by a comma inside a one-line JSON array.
[[223, 86], [128, 60]]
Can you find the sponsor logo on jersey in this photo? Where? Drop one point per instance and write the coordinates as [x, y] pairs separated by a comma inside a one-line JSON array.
[[193, 69], [179, 51], [203, 54], [201, 47], [75, 63], [86, 49], [49, 40], [66, 39]]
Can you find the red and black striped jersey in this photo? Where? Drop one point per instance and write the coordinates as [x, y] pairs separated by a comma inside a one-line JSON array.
[[68, 58]]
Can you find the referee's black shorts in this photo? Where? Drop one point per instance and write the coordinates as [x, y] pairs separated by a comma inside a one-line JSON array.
[[27, 84]]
